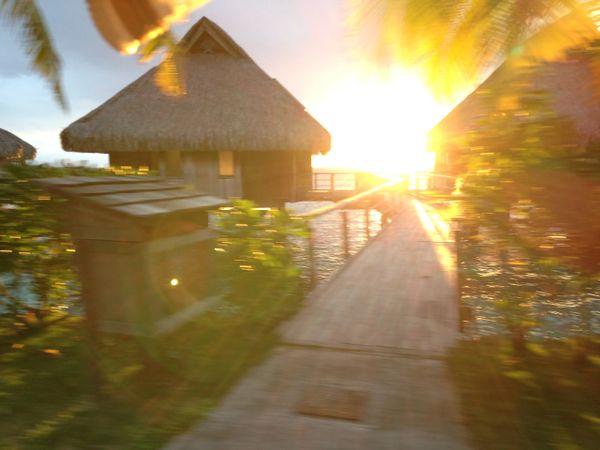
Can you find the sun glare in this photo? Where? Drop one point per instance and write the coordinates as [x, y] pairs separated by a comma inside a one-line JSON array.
[[379, 123]]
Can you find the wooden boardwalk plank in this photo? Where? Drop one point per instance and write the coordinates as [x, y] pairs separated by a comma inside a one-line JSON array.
[[378, 330], [398, 293], [409, 406]]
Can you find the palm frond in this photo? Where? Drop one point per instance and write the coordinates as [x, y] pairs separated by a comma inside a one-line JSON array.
[[38, 44], [168, 76], [456, 42], [127, 24], [142, 28], [164, 41]]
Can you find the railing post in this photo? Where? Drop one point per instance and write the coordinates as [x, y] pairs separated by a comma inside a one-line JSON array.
[[312, 269], [385, 209], [332, 182], [459, 273], [369, 194], [345, 234], [368, 222]]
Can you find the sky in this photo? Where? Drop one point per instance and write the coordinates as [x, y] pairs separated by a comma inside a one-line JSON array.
[[305, 44]]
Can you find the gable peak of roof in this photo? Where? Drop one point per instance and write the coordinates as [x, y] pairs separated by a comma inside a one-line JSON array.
[[206, 37]]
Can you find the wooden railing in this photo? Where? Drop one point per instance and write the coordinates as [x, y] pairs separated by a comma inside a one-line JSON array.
[[384, 198], [334, 181], [431, 181], [332, 185]]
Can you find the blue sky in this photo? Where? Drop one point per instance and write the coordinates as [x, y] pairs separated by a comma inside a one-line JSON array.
[[301, 43]]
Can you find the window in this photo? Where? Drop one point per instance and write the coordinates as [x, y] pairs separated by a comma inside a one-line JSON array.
[[226, 164]]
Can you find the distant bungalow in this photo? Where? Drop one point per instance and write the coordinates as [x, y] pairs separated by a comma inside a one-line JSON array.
[[235, 133], [13, 148], [570, 78], [571, 199]]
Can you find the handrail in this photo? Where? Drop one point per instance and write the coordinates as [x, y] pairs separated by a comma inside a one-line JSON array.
[[350, 200], [342, 206], [431, 180], [436, 175]]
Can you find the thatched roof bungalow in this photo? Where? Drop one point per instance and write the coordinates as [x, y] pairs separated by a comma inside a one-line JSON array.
[[13, 148], [570, 199], [571, 85], [236, 132], [567, 73]]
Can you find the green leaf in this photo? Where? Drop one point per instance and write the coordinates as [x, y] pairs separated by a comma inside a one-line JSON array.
[[38, 44]]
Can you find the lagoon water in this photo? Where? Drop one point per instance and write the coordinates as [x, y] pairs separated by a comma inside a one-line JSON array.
[[555, 316], [329, 249], [328, 237]]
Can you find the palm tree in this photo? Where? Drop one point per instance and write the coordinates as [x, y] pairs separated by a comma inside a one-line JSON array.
[[38, 44], [455, 42], [140, 27]]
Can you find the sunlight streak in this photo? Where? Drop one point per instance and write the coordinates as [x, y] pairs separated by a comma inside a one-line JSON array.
[[438, 232]]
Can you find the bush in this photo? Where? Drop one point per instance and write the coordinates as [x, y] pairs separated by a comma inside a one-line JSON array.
[[255, 257], [532, 217], [37, 272]]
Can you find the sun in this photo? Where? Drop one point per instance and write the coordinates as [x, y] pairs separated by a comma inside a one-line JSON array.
[[379, 123]]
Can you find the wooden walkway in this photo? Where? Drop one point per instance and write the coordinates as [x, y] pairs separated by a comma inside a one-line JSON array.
[[361, 366]]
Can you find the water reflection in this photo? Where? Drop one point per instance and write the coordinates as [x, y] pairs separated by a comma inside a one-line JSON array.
[[328, 236], [556, 299]]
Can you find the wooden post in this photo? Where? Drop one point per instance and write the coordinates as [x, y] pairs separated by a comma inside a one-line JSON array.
[[91, 335], [459, 273], [331, 182], [368, 222], [294, 194], [312, 269], [385, 209], [345, 234]]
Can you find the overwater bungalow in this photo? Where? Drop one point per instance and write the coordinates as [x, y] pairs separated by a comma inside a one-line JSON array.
[[13, 148], [571, 85], [569, 81], [567, 73], [236, 132]]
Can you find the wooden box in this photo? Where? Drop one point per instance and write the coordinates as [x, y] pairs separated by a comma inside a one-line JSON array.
[[143, 250]]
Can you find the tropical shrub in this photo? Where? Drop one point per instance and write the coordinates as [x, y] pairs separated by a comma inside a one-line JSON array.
[[256, 257], [37, 270], [530, 248]]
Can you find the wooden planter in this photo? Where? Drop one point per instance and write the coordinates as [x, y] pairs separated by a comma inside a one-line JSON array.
[[143, 250]]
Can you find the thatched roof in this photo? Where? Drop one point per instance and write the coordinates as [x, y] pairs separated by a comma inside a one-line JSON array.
[[560, 68], [14, 148], [230, 104], [572, 84]]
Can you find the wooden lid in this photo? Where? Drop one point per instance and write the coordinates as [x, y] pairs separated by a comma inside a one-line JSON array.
[[134, 196]]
